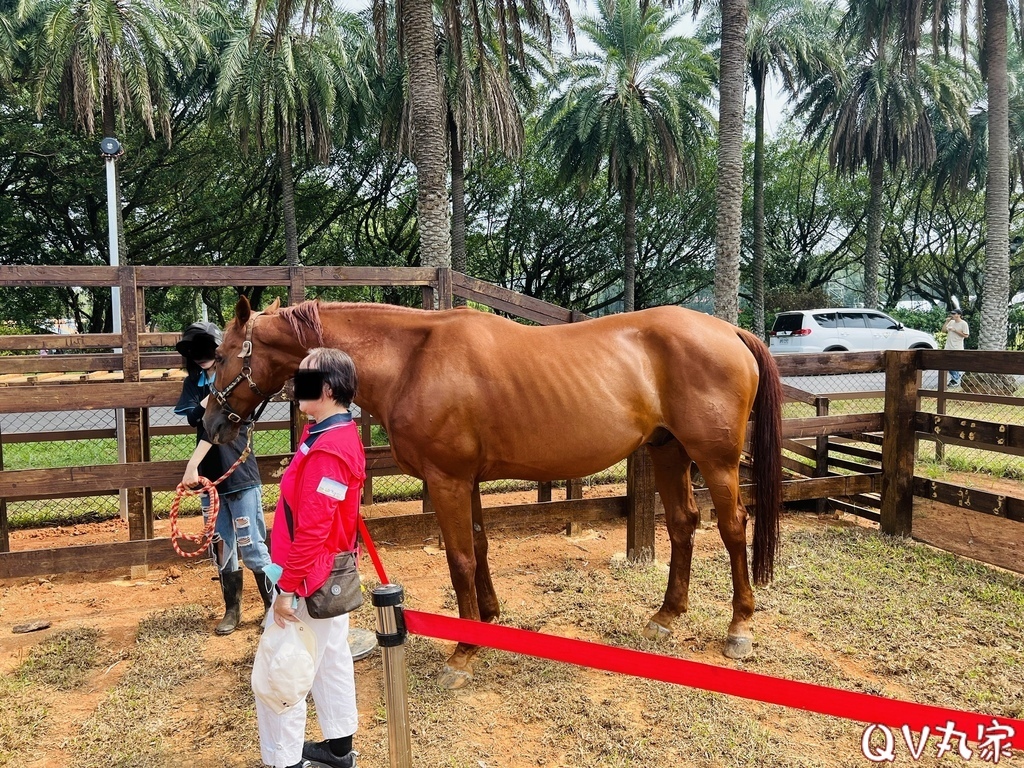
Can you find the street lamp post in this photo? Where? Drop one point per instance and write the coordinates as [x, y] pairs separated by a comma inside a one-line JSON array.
[[110, 150]]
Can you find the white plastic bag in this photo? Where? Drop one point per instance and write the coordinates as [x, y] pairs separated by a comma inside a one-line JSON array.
[[282, 672]]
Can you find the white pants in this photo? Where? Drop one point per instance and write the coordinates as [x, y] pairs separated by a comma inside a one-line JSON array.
[[334, 692]]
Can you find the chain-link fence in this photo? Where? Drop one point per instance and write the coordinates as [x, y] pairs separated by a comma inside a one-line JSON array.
[[25, 447], [977, 396]]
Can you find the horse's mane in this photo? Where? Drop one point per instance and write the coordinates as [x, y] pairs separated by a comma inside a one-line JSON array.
[[302, 318], [305, 317]]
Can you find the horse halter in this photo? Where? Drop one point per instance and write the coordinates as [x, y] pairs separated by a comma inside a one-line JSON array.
[[245, 374]]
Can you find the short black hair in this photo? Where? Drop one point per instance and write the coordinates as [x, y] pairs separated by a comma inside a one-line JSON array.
[[339, 373]]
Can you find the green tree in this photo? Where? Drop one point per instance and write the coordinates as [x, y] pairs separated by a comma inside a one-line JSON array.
[[109, 60], [485, 100], [638, 105], [877, 112], [289, 84]]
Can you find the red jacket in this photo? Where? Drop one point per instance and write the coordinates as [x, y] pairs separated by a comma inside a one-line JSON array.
[[324, 523]]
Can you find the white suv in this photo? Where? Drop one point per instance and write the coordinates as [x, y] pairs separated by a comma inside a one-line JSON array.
[[844, 330]]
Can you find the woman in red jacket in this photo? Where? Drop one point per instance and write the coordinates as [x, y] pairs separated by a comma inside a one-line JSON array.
[[321, 489]]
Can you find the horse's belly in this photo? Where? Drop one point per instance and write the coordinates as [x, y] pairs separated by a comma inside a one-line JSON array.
[[557, 460]]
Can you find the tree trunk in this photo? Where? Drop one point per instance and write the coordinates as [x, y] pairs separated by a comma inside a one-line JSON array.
[[996, 291], [429, 153], [291, 231], [458, 205], [758, 78], [874, 234], [629, 243], [729, 190]]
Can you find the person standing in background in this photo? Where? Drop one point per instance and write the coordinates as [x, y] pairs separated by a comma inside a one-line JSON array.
[[957, 330]]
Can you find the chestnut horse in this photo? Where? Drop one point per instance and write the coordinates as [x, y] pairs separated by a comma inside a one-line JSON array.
[[467, 396]]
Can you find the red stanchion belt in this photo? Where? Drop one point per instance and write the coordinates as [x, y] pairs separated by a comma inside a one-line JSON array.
[[378, 566], [809, 697], [748, 685]]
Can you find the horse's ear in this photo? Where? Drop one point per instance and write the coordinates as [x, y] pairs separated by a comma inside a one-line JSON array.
[[242, 310], [274, 305]]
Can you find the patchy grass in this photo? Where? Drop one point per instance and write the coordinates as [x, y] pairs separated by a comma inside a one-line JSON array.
[[22, 716], [141, 721], [64, 660], [849, 608]]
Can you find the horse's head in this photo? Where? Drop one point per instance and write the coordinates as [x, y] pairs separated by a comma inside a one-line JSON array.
[[252, 363]]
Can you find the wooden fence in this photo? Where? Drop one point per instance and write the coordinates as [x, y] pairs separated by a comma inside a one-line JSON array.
[[861, 463]]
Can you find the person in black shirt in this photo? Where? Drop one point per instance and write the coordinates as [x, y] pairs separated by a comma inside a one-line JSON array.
[[241, 528]]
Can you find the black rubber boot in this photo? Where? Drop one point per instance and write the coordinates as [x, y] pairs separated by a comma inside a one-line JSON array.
[[266, 591], [231, 586]]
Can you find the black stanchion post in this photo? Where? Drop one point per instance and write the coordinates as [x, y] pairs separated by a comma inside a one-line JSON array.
[[391, 634]]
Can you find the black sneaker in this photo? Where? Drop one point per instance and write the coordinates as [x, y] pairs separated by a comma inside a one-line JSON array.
[[320, 753]]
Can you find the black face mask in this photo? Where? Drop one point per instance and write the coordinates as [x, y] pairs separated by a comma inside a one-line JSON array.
[[309, 384]]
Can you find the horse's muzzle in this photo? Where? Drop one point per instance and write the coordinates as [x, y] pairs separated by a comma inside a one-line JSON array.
[[220, 430]]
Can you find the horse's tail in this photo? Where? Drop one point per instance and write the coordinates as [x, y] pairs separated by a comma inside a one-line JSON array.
[[766, 446]]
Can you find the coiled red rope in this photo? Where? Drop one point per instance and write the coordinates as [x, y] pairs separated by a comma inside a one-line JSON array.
[[204, 538]]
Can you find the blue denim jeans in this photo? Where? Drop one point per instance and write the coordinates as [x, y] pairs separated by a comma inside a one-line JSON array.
[[240, 530]]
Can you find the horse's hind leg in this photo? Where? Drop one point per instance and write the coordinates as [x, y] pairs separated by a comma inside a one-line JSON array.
[[486, 597], [672, 478], [453, 505], [723, 483]]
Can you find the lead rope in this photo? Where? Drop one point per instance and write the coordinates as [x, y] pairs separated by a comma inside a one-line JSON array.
[[205, 538]]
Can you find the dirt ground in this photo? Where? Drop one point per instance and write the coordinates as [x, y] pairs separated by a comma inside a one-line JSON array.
[[494, 735]]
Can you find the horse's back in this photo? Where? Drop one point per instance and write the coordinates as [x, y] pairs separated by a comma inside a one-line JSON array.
[[558, 401]]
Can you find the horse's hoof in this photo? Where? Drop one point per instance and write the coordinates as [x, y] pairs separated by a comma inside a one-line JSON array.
[[453, 679], [738, 647], [654, 631]]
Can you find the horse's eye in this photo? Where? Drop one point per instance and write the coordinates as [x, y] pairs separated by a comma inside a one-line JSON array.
[[218, 359]]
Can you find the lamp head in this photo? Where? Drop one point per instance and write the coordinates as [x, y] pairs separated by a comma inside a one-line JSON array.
[[110, 147]]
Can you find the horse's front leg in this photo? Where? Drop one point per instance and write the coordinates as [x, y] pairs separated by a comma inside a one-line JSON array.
[[672, 478], [453, 505]]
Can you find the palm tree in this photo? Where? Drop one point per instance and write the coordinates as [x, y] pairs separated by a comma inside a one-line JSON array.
[[484, 97], [638, 102], [875, 112], [9, 47], [993, 25], [729, 188], [417, 47], [994, 310], [290, 86], [789, 39]]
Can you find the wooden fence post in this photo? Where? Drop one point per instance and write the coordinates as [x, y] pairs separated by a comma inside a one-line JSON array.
[[5, 538], [543, 492], [898, 440], [821, 405], [366, 432], [140, 525], [640, 506], [574, 488], [444, 288]]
